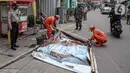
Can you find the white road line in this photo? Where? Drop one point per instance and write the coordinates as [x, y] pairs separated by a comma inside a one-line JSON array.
[[95, 62], [113, 62]]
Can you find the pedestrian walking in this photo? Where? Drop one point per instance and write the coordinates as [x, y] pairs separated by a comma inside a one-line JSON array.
[[13, 18], [78, 15]]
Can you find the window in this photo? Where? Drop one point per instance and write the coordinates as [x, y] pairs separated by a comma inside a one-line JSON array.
[[23, 11]]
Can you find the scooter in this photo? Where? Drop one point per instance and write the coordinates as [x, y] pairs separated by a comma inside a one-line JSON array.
[[116, 29]]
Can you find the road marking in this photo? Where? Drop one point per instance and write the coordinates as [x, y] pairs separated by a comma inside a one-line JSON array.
[[113, 62]]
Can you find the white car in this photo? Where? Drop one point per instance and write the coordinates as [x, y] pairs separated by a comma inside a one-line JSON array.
[[106, 10]]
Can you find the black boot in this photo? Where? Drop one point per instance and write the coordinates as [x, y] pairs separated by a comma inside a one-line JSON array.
[[13, 48], [76, 28], [16, 46], [79, 28], [76, 25]]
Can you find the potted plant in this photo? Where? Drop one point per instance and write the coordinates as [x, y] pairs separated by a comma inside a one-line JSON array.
[[30, 20]]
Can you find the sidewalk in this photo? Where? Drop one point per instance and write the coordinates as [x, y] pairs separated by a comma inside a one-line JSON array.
[[27, 64], [67, 26], [24, 41]]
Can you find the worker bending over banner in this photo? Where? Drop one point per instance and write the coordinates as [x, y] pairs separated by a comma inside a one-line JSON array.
[[50, 24]]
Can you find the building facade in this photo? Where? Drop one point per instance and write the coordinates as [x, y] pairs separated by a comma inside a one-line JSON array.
[[48, 7]]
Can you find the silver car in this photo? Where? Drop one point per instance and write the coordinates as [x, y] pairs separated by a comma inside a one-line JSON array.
[[106, 10]]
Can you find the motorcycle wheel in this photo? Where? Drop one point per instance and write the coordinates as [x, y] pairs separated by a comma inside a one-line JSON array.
[[118, 35]]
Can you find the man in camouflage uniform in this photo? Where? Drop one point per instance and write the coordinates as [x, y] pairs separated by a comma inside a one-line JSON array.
[[78, 14]]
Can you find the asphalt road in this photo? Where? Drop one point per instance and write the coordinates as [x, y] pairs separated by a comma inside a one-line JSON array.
[[111, 58]]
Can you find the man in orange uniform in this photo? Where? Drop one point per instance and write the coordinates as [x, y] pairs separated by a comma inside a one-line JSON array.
[[50, 24], [98, 35]]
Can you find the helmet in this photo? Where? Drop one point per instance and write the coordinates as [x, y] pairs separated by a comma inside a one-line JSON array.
[[91, 27], [57, 16]]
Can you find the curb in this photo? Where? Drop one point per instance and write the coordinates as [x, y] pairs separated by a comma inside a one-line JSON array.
[[18, 57]]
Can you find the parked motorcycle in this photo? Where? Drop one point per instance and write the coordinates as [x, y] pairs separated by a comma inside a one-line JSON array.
[[116, 29]]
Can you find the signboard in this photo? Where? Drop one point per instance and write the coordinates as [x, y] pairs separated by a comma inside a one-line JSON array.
[[19, 0], [74, 3], [128, 2], [23, 18], [96, 0], [23, 26], [119, 9]]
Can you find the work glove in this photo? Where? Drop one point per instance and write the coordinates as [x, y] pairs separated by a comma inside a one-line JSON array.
[[57, 30], [53, 32]]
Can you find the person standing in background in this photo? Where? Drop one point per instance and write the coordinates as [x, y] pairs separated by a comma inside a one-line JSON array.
[[13, 18], [78, 15]]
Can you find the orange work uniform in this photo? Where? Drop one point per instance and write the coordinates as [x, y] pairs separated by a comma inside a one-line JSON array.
[[99, 36], [48, 23]]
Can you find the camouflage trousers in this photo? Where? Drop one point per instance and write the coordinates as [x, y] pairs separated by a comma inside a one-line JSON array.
[[78, 24]]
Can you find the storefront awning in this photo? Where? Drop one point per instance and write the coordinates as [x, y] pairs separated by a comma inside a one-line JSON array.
[[19, 0], [25, 2]]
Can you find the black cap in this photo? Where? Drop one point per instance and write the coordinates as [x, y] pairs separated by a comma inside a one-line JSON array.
[[14, 4]]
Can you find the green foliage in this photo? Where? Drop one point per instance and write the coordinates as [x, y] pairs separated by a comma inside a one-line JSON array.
[[128, 2], [70, 11], [30, 17], [62, 4]]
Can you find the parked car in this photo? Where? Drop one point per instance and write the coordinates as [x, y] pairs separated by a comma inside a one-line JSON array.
[[106, 9], [86, 5]]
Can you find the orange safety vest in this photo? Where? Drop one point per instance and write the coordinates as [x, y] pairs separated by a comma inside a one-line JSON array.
[[50, 22], [99, 35]]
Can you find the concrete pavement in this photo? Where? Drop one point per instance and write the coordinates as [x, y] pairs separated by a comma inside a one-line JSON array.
[[6, 54], [27, 64]]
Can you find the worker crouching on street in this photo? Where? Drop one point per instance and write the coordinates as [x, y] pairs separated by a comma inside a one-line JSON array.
[[50, 24], [98, 35]]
